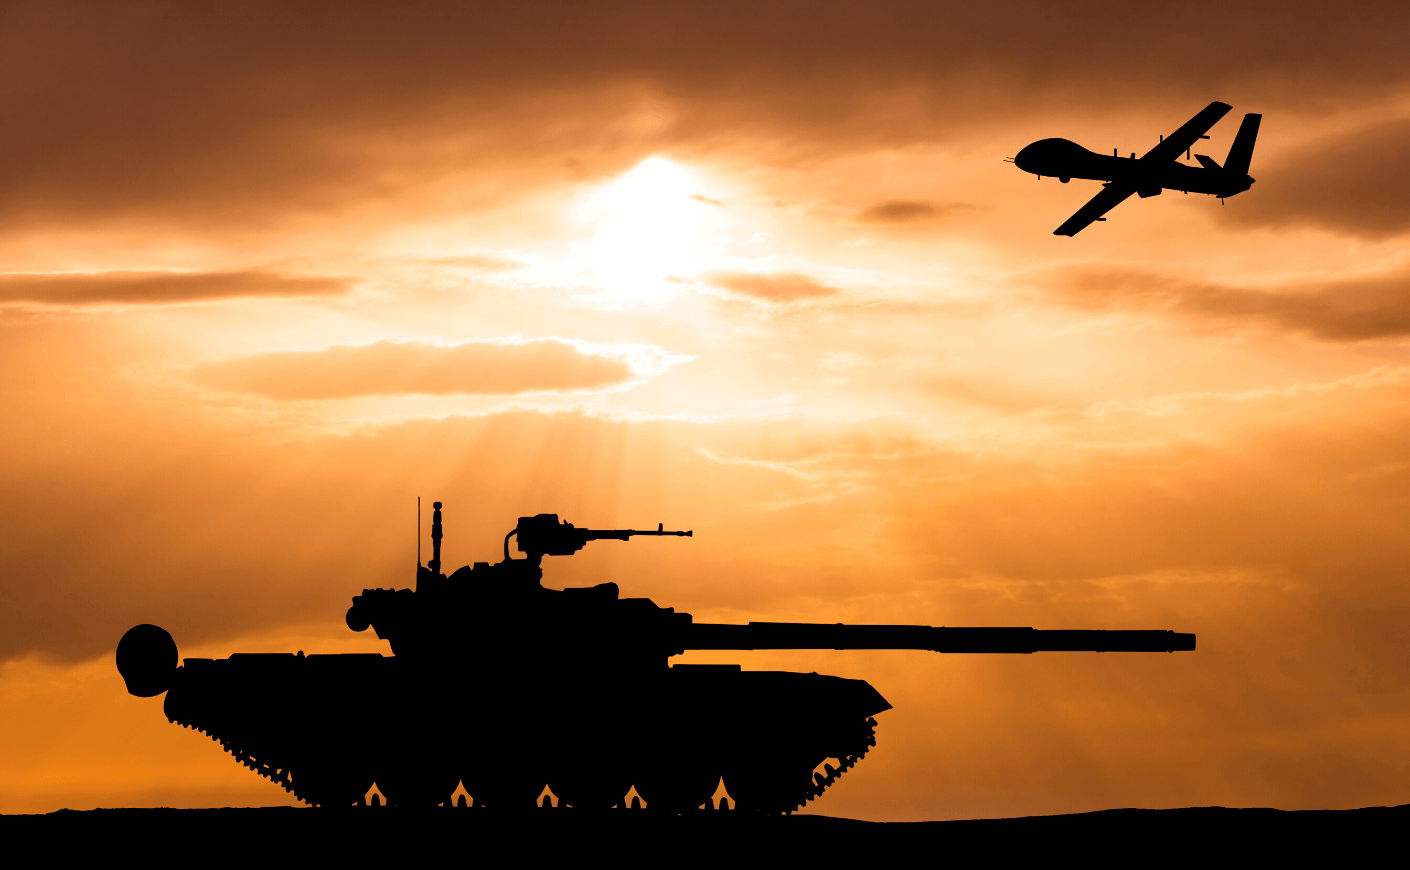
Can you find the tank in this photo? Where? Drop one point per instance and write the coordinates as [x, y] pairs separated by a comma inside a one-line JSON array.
[[506, 686]]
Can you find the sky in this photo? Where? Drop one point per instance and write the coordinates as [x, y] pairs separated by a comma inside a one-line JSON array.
[[269, 272]]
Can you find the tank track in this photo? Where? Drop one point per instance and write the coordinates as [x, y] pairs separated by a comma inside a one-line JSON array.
[[276, 774], [822, 782]]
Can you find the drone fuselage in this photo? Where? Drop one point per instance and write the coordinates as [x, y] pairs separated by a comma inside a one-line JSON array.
[[1064, 159]]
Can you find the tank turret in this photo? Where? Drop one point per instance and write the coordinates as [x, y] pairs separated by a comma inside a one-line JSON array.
[[503, 685]]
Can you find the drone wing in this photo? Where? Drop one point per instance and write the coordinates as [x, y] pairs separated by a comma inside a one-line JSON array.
[[1177, 143], [1110, 197]]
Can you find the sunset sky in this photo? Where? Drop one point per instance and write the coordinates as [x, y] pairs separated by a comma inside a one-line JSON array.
[[268, 272]]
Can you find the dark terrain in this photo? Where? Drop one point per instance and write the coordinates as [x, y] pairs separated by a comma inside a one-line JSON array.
[[1208, 835]]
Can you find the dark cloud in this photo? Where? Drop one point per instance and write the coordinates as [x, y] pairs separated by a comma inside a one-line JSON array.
[[905, 211], [1332, 310], [774, 287], [160, 288], [224, 113], [1357, 184], [388, 368]]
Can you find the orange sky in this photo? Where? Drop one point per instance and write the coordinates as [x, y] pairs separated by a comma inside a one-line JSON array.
[[269, 273]]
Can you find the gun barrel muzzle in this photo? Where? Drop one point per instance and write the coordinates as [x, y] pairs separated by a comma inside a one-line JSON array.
[[661, 530]]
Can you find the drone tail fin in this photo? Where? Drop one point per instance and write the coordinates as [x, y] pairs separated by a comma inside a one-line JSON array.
[[1241, 152]]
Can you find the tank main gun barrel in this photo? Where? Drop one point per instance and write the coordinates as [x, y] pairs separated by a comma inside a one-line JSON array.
[[543, 535], [804, 635]]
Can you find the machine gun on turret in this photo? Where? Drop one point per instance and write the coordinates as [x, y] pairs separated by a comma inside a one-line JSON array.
[[543, 535]]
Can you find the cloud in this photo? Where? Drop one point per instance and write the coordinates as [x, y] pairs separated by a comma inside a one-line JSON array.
[[160, 288], [221, 115], [1356, 184], [390, 368], [906, 211], [844, 361], [774, 287], [1332, 310], [476, 262]]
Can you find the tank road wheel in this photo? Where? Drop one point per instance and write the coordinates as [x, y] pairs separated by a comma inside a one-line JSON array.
[[501, 786], [769, 784], [591, 788], [330, 785], [678, 786], [521, 794], [423, 787]]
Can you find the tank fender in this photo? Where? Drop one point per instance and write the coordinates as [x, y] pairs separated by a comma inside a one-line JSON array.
[[777, 693], [785, 689]]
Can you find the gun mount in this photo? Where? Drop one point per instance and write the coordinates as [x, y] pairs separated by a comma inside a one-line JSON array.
[[502, 685], [543, 535]]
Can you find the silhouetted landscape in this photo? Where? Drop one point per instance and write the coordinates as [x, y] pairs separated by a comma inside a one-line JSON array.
[[1199, 836]]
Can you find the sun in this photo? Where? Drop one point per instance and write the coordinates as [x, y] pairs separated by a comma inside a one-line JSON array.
[[655, 188], [646, 224]]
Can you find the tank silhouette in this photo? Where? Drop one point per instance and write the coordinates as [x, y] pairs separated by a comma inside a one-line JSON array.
[[506, 686]]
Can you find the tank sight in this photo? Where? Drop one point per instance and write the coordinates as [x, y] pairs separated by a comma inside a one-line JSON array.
[[544, 535], [435, 565]]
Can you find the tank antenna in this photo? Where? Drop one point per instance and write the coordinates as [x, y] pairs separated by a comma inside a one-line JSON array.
[[435, 538], [418, 531]]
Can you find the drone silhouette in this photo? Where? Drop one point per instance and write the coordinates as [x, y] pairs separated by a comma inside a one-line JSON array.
[[1155, 171]]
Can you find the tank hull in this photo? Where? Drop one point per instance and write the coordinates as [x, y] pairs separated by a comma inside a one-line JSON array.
[[418, 732]]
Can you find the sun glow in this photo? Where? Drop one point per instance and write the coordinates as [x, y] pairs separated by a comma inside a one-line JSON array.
[[646, 225]]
